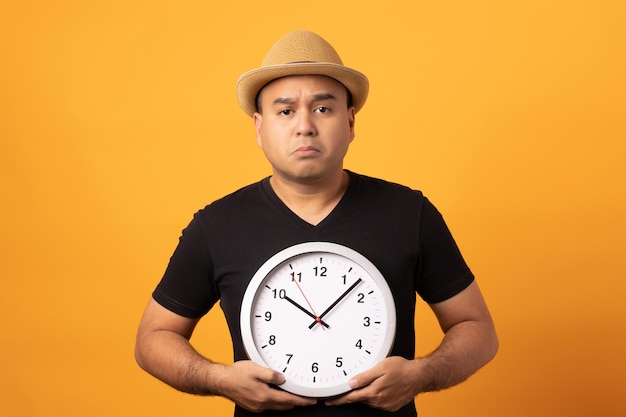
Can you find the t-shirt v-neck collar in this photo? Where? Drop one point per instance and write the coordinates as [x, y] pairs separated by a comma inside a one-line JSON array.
[[336, 211]]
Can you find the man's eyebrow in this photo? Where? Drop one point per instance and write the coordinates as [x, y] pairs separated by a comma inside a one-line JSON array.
[[323, 97], [284, 100], [316, 97]]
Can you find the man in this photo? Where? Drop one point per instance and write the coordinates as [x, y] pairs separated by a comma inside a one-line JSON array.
[[303, 102]]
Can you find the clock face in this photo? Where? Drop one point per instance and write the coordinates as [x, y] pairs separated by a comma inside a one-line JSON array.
[[320, 313]]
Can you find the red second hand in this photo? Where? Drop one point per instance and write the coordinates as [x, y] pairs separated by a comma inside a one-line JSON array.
[[317, 318]]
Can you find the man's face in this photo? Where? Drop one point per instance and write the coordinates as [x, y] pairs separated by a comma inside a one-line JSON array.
[[305, 127]]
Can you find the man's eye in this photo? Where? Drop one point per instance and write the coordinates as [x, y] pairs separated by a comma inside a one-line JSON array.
[[285, 112], [322, 109]]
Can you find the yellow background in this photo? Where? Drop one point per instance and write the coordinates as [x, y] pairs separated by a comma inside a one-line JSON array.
[[118, 120]]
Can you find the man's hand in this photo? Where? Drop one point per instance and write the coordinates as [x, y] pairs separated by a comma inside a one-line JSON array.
[[389, 385], [248, 385], [163, 350], [469, 342]]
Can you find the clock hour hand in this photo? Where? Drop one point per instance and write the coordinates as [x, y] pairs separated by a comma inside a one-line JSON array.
[[308, 313], [341, 297]]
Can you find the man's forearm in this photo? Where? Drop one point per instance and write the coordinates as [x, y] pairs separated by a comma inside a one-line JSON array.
[[171, 358], [465, 348]]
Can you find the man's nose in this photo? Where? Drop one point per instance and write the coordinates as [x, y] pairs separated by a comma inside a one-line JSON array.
[[306, 125]]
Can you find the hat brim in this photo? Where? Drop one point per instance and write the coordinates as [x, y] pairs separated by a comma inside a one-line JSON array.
[[250, 83]]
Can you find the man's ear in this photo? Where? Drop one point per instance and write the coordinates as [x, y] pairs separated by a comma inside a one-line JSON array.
[[351, 121], [258, 122]]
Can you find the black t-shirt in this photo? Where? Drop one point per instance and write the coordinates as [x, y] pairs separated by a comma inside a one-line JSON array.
[[395, 227]]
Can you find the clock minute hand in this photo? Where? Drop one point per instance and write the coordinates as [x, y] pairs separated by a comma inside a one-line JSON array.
[[341, 297], [308, 313]]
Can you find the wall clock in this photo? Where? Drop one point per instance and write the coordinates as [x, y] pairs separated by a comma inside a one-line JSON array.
[[319, 313]]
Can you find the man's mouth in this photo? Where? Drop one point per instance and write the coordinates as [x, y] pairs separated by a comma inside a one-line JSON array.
[[306, 150]]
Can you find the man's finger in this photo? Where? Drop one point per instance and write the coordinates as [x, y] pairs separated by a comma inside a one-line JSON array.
[[365, 378], [270, 376]]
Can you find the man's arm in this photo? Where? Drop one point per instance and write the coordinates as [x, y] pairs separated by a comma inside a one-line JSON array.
[[163, 350], [469, 342]]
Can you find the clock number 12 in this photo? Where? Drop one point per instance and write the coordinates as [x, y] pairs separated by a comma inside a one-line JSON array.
[[320, 271]]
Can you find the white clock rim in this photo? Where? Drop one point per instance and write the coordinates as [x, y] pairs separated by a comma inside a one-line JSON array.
[[291, 252]]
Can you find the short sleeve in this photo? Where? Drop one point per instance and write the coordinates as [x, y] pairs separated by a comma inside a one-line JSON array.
[[187, 286], [442, 271]]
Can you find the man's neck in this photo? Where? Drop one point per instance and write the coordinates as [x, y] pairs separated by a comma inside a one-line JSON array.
[[314, 201]]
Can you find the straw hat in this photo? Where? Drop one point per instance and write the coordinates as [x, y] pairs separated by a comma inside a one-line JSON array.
[[300, 53]]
